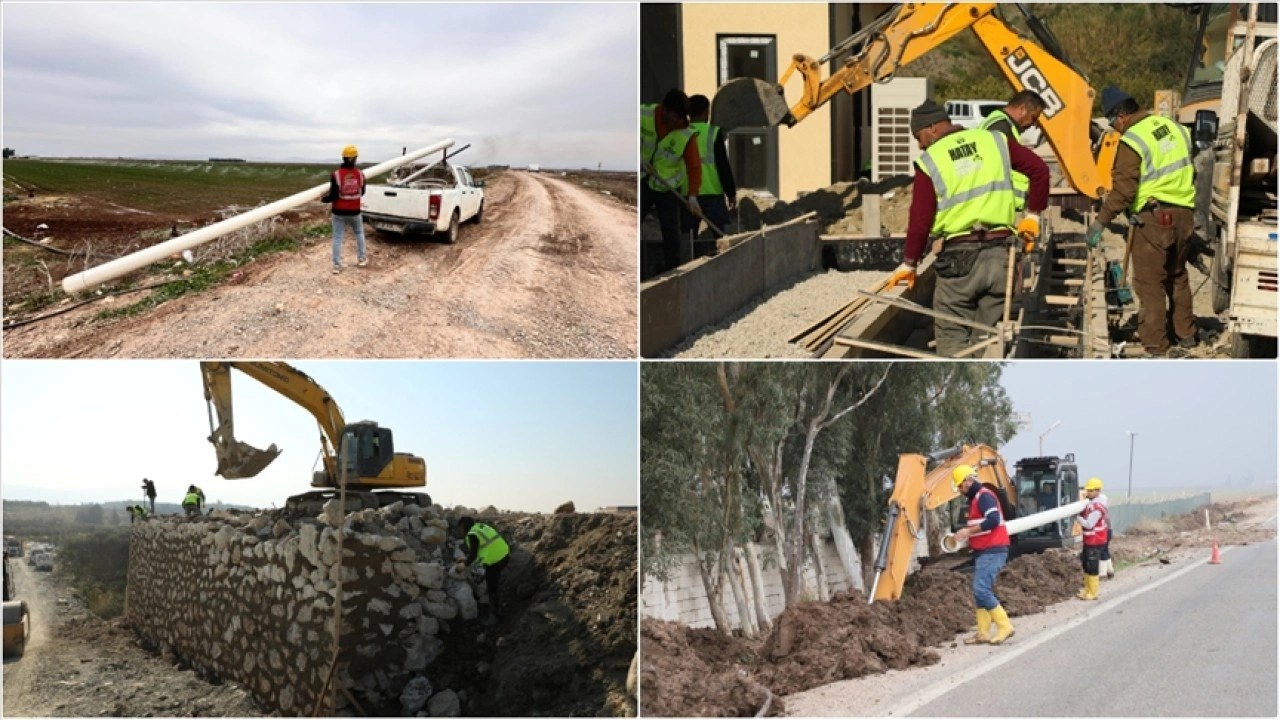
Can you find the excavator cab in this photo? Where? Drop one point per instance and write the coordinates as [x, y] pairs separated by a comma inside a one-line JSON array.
[[1045, 483], [369, 450]]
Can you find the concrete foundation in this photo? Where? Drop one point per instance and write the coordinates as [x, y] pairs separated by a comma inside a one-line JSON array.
[[705, 291]]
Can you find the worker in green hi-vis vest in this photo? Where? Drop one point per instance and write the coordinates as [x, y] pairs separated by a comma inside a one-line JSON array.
[[1153, 183], [668, 148], [1016, 117], [718, 193]]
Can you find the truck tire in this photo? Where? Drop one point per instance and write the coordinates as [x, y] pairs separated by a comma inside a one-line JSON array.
[[450, 236], [479, 214]]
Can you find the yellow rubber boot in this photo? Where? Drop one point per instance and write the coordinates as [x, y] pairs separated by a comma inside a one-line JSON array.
[[1004, 628], [1084, 589], [1092, 581], [983, 635]]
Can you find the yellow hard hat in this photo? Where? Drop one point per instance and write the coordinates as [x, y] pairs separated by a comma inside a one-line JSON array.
[[1093, 484], [350, 151], [960, 473]]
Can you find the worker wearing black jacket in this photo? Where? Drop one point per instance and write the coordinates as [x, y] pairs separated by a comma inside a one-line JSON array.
[[717, 194]]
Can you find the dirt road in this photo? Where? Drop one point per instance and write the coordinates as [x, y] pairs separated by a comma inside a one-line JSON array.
[[77, 665], [549, 272]]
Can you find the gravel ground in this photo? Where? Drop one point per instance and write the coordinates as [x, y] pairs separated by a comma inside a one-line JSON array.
[[762, 328]]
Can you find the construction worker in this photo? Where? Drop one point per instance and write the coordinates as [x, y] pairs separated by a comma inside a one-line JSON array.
[[1093, 526], [1016, 117], [1106, 568], [137, 512], [193, 501], [486, 545], [718, 194], [346, 187], [149, 491], [666, 148], [989, 539], [963, 193], [1152, 181]]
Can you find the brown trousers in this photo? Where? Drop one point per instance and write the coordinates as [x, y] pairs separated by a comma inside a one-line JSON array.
[[1160, 277]]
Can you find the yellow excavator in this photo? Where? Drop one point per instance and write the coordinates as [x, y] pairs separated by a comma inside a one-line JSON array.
[[359, 454], [920, 488], [909, 30]]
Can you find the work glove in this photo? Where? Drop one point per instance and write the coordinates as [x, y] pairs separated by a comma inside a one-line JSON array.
[[694, 207], [1028, 230], [1093, 235], [905, 273]]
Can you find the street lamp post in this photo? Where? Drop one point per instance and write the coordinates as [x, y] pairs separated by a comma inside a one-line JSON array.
[[1055, 424], [1131, 435]]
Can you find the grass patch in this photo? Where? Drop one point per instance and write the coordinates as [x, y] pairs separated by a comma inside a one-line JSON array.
[[202, 277], [96, 564], [166, 187]]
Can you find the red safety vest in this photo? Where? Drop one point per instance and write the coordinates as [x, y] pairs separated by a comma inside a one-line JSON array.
[[983, 539], [1097, 535], [350, 183]]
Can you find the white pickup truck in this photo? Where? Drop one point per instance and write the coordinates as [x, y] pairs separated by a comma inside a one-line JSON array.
[[431, 200]]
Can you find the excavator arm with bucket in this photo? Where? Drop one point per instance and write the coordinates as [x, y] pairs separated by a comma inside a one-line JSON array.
[[908, 31]]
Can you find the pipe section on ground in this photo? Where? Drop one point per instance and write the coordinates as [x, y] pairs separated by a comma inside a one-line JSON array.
[[1018, 525], [106, 272]]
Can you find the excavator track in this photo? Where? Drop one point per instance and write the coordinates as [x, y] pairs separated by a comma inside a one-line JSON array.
[[312, 503]]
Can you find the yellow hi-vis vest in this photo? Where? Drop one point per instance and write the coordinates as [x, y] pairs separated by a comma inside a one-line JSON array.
[[665, 155], [191, 499], [707, 133], [492, 547], [970, 172], [1021, 183], [1167, 173]]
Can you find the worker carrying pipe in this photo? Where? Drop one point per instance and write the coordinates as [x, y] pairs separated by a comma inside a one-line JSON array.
[[121, 266], [989, 538]]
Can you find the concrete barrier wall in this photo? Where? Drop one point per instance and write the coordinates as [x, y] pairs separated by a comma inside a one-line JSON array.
[[683, 598], [250, 598], [709, 289]]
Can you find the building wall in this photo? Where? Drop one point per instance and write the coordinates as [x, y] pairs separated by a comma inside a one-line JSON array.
[[804, 151]]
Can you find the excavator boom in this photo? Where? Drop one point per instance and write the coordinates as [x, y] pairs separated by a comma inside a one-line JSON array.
[[239, 460], [905, 33]]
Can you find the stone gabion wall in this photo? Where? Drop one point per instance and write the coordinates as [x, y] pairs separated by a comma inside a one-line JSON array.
[[250, 598]]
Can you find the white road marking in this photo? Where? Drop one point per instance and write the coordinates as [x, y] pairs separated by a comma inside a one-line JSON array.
[[938, 689]]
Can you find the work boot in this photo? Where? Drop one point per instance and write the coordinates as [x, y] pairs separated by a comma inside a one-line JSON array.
[[983, 634], [1090, 591], [1084, 589], [1111, 569], [1004, 628]]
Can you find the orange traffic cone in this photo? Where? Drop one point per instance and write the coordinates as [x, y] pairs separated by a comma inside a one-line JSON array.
[[1215, 559]]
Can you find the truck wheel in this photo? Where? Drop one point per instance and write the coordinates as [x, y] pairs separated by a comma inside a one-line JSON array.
[[450, 236], [479, 214], [1218, 278]]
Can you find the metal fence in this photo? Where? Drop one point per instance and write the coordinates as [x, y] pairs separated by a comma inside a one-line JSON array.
[[1125, 515]]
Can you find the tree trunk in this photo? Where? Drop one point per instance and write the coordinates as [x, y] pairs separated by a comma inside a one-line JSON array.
[[843, 541], [757, 588], [745, 622], [712, 589], [819, 567]]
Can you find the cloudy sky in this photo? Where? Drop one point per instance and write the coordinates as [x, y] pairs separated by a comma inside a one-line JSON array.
[[524, 83], [521, 436], [1199, 423]]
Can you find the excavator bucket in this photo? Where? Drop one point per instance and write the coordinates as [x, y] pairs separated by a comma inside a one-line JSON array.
[[749, 103], [245, 461]]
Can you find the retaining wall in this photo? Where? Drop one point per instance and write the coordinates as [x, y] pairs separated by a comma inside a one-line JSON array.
[[250, 598], [709, 289]]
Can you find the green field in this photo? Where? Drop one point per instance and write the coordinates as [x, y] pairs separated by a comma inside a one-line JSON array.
[[162, 186]]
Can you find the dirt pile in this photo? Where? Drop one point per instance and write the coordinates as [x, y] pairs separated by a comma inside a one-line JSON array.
[[689, 672], [1231, 523], [839, 208]]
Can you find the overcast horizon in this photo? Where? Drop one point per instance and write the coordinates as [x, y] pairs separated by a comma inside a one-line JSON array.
[[115, 80]]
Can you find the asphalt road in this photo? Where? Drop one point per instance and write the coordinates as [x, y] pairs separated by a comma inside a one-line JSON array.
[[1201, 644]]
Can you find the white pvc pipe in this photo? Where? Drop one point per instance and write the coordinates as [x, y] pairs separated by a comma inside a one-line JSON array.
[[1018, 525], [109, 271]]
